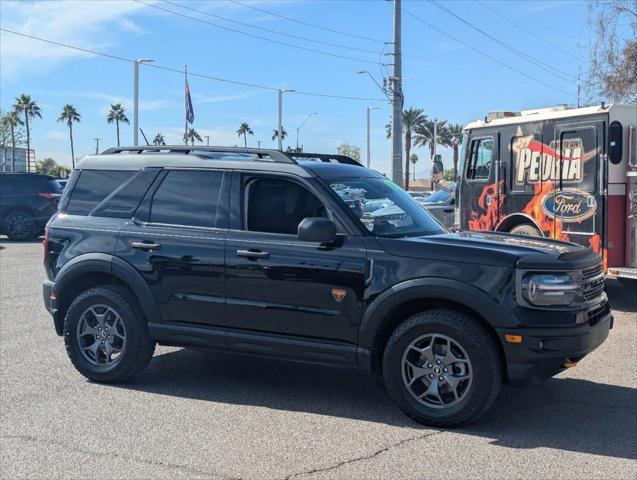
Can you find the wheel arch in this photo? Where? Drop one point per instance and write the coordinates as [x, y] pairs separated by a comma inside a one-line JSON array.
[[92, 269], [398, 303], [515, 219]]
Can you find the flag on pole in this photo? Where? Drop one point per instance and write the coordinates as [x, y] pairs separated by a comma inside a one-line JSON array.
[[190, 114]]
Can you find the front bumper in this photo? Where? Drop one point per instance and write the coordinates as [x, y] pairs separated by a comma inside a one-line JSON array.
[[50, 305], [543, 352]]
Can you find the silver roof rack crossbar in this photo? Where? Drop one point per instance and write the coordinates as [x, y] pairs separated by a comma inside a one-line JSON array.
[[257, 154], [325, 157]]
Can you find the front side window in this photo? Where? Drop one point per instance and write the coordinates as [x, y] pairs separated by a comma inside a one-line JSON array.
[[278, 206], [384, 208], [481, 159], [187, 197]]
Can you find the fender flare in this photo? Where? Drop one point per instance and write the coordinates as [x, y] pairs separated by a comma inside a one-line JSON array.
[[104, 263], [524, 218], [377, 313]]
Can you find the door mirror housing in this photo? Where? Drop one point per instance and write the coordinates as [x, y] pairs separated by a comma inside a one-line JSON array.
[[317, 229]]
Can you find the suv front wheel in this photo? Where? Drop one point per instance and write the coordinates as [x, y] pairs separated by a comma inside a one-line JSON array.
[[442, 368], [106, 336]]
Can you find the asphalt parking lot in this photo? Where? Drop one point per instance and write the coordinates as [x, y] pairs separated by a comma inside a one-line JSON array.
[[204, 415]]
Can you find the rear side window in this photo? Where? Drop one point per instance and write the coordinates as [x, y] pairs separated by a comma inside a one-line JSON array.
[[92, 187], [28, 183], [124, 200], [187, 197]]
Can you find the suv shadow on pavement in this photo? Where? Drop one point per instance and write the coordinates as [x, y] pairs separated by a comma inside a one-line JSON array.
[[565, 414]]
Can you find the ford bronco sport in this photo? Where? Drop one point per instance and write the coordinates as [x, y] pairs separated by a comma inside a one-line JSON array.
[[259, 252]]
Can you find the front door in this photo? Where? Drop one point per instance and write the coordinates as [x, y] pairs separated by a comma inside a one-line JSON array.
[[177, 243], [481, 185], [279, 284]]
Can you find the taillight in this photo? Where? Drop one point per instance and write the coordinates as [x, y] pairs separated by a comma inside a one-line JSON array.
[[49, 195], [45, 244]]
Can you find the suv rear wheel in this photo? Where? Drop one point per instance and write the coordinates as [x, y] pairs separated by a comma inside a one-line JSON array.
[[106, 335], [19, 226], [442, 368]]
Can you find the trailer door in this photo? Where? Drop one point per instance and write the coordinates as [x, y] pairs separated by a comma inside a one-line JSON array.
[[577, 201]]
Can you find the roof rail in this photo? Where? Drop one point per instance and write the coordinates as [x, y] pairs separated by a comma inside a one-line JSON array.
[[325, 157], [258, 154]]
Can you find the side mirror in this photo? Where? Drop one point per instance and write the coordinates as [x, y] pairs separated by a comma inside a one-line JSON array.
[[317, 229]]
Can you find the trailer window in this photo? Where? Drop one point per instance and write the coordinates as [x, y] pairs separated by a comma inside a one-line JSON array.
[[481, 158]]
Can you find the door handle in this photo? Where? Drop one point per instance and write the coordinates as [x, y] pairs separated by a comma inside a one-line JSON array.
[[254, 254], [146, 245]]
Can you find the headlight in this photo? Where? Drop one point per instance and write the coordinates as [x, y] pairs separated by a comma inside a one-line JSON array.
[[549, 289]]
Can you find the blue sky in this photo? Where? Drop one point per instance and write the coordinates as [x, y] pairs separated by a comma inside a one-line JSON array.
[[446, 79]]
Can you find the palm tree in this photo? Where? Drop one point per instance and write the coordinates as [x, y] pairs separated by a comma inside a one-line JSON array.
[[413, 159], [24, 104], [455, 139], [412, 119], [244, 129], [12, 120], [117, 114], [425, 134], [192, 135], [70, 115], [159, 139], [275, 134]]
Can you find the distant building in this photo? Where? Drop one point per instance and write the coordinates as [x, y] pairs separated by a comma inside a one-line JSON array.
[[21, 164]]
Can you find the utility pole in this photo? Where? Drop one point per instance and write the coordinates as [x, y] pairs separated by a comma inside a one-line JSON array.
[[280, 129], [435, 137], [207, 140], [136, 98], [369, 151], [259, 143], [97, 145], [397, 102]]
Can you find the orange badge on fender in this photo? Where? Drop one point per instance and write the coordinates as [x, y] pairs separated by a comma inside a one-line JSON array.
[[338, 294]]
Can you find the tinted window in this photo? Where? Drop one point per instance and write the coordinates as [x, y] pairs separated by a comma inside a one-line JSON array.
[[92, 187], [278, 206], [124, 200], [187, 197], [481, 157], [28, 183]]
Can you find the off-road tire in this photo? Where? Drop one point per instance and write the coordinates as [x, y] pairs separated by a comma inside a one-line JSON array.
[[139, 347], [526, 229], [479, 346]]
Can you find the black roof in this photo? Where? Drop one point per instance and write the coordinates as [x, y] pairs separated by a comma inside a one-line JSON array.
[[303, 164]]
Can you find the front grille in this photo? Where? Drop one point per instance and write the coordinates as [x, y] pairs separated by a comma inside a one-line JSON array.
[[592, 282], [596, 314]]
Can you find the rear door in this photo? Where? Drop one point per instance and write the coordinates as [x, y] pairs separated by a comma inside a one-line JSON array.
[[176, 241], [577, 200]]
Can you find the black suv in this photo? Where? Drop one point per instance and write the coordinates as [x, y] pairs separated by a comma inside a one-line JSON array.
[[257, 252], [27, 201]]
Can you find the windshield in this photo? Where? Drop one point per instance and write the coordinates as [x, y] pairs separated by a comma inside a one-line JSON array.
[[442, 195], [384, 208]]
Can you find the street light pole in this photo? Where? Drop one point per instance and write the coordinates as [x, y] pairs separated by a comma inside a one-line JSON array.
[[207, 140], [301, 126], [97, 145], [369, 152], [280, 129], [397, 101], [136, 98]]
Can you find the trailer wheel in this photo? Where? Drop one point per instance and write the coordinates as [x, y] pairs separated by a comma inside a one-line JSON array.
[[526, 229]]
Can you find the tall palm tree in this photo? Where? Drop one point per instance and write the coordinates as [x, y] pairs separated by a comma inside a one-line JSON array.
[[30, 108], [412, 119], [192, 135], [12, 120], [244, 129], [159, 139], [275, 134], [455, 139], [70, 115], [425, 134], [413, 159], [117, 114]]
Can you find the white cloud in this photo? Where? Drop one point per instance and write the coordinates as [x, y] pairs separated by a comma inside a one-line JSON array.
[[92, 25]]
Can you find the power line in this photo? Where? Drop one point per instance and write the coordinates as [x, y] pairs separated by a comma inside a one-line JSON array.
[[521, 27], [298, 37], [312, 50], [307, 24], [556, 72], [180, 71], [486, 55]]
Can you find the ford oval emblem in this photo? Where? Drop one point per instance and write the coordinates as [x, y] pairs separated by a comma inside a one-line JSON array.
[[569, 205]]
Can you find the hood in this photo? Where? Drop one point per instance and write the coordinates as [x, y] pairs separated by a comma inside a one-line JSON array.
[[493, 248]]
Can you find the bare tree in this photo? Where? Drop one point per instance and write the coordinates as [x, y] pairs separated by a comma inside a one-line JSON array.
[[613, 55]]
